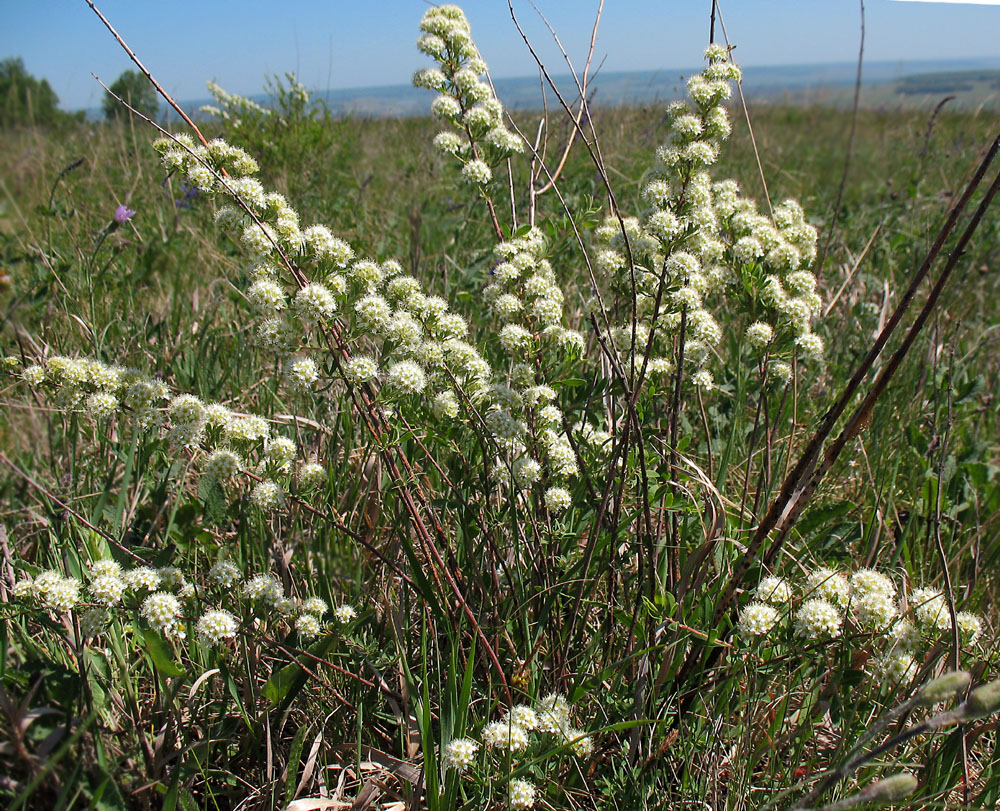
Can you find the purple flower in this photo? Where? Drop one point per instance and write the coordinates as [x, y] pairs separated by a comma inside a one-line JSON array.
[[123, 214], [189, 193]]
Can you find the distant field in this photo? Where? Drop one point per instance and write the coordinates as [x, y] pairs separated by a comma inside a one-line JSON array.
[[911, 85]]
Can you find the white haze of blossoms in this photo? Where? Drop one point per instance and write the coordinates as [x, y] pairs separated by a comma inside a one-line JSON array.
[[521, 794], [162, 611], [862, 609], [698, 237], [165, 599], [225, 442], [506, 735], [345, 614], [412, 336]]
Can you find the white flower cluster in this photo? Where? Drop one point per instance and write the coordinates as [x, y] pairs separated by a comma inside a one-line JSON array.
[[229, 107], [416, 347], [697, 238], [164, 596], [867, 601], [521, 411], [551, 715], [228, 442], [480, 139]]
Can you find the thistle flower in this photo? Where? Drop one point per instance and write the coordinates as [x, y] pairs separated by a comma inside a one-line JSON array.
[[122, 215]]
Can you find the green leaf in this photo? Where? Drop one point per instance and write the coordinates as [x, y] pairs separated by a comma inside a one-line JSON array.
[[214, 498], [821, 517], [285, 684], [160, 653], [294, 759]]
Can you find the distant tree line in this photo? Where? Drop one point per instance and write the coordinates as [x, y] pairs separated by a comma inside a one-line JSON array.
[[26, 101], [136, 90], [950, 82], [29, 102]]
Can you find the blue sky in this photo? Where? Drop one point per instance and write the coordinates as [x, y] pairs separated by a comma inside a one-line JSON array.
[[346, 43]]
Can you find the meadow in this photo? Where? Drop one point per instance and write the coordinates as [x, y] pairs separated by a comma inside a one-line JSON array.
[[409, 478]]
